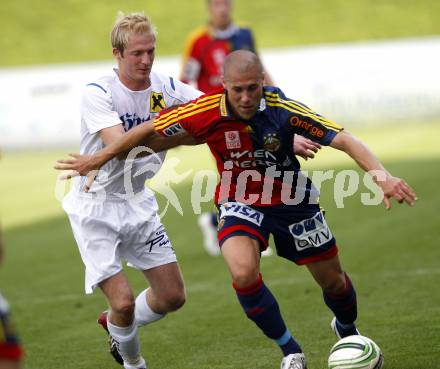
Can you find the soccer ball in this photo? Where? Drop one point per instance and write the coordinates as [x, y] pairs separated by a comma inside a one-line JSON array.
[[355, 352]]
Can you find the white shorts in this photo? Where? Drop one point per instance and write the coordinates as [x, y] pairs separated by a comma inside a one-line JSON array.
[[108, 231]]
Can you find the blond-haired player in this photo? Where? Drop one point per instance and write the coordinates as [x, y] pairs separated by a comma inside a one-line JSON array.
[[117, 220]]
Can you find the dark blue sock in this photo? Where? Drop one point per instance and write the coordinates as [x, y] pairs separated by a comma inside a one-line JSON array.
[[214, 219], [343, 305], [261, 307]]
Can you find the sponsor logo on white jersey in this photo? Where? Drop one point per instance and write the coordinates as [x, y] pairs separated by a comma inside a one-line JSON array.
[[157, 102]]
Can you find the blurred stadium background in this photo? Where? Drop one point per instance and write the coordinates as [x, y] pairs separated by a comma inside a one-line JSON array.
[[373, 65]]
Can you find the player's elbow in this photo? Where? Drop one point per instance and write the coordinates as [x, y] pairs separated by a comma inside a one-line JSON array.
[[344, 141]]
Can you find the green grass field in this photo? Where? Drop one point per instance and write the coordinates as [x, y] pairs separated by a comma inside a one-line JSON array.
[[391, 256], [71, 31]]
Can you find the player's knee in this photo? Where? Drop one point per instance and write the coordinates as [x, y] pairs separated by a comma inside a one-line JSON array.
[[245, 276], [175, 300], [124, 306]]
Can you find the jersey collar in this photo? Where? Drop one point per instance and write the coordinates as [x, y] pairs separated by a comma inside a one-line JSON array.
[[225, 33], [224, 111]]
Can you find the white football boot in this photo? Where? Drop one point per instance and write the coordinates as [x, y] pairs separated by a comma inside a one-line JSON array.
[[339, 330], [294, 361], [141, 364]]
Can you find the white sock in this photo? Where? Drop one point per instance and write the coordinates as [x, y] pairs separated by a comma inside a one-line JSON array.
[[142, 312], [128, 340]]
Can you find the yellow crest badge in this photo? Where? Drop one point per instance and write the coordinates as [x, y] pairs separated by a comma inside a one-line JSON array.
[[248, 129], [157, 102]]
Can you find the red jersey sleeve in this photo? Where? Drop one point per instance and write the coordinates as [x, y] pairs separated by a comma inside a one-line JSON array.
[[195, 117], [193, 55]]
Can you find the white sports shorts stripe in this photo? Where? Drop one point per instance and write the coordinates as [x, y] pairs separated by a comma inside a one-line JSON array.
[[110, 231]]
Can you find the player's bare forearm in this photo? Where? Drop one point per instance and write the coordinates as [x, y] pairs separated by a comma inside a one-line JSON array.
[[358, 151], [136, 136], [157, 142], [391, 186], [116, 144], [143, 134]]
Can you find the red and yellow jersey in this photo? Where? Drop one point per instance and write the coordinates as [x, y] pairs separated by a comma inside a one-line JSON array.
[[254, 157], [206, 51]]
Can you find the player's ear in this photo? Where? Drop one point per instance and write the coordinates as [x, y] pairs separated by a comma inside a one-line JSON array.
[[116, 53], [222, 79]]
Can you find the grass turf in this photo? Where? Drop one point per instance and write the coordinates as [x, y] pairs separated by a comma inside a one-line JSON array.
[[77, 31], [392, 258]]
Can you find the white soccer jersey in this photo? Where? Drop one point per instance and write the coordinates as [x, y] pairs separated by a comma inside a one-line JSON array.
[[107, 102]]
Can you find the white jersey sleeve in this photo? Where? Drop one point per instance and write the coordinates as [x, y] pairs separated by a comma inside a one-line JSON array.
[[97, 110], [181, 92]]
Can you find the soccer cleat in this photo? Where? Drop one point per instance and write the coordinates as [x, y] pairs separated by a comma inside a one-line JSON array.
[[209, 232], [294, 361], [113, 344], [139, 365], [341, 332]]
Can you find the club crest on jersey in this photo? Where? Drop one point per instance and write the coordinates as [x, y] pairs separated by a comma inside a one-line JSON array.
[[271, 142], [248, 130], [232, 139], [157, 102]]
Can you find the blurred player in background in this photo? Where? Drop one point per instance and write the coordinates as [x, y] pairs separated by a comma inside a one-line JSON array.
[[117, 220], [11, 352], [208, 46], [262, 190], [202, 66]]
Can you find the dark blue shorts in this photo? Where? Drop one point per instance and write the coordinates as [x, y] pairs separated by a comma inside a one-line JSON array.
[[300, 233]]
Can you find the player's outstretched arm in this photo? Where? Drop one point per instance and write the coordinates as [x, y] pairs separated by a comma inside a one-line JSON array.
[[158, 143], [144, 134], [391, 186], [83, 164]]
